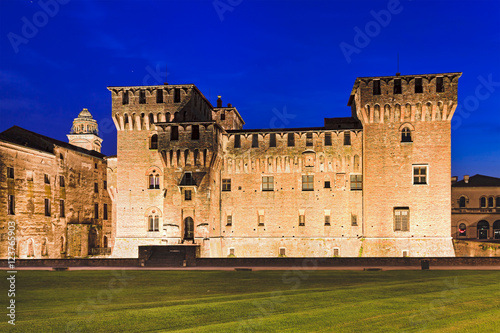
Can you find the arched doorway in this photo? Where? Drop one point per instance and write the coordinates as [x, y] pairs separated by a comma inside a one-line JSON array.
[[496, 229], [188, 229], [482, 229]]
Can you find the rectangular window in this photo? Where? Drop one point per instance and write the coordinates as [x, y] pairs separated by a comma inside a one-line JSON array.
[[187, 195], [261, 220], [397, 86], [154, 223], [177, 95], [336, 252], [418, 86], [327, 219], [47, 207], [195, 132], [237, 141], [356, 182], [223, 116], [226, 185], [376, 87], [10, 173], [347, 138], [267, 183], [231, 251], [401, 219], [255, 141], [272, 140], [12, 205], [125, 97], [282, 252], [291, 140], [307, 183], [174, 133], [62, 212], [96, 188], [105, 185], [354, 220], [159, 95], [46, 179], [439, 84], [420, 175], [29, 175], [142, 96], [327, 184], [96, 210], [328, 139], [61, 181], [302, 220], [229, 220], [105, 212], [309, 140]]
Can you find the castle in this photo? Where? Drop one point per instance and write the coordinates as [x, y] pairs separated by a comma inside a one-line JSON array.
[[373, 184]]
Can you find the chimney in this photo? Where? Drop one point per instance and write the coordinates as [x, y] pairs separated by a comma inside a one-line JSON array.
[[229, 105], [454, 179], [219, 102], [466, 179]]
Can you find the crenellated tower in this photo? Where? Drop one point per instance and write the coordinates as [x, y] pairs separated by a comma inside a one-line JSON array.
[[407, 162]]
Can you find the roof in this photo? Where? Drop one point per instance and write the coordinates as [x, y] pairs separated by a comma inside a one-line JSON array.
[[341, 123], [479, 181], [23, 137]]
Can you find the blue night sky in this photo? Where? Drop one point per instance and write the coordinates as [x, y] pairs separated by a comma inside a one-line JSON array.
[[281, 63]]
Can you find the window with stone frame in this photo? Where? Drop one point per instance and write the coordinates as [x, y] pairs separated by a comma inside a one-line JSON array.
[[482, 202], [347, 138], [491, 202], [268, 183], [401, 219], [406, 135], [10, 173], [327, 184], [462, 202], [260, 220], [11, 205], [354, 220], [229, 220], [226, 185], [356, 182], [62, 212], [302, 220], [187, 195], [327, 220], [153, 142], [420, 174], [153, 223], [47, 207], [307, 183]]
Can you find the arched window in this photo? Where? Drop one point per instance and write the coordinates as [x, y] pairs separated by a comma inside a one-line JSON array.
[[482, 202], [491, 202], [154, 142], [154, 180], [406, 135], [125, 119], [151, 118], [496, 229], [462, 230], [462, 202], [153, 223], [482, 229], [498, 202]]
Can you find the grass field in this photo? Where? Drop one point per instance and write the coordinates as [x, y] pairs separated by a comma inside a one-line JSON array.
[[260, 301]]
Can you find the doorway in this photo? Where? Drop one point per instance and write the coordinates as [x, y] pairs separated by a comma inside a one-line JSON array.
[[188, 229], [482, 229]]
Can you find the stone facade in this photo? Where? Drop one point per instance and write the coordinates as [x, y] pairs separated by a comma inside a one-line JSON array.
[[475, 203], [374, 184], [50, 190]]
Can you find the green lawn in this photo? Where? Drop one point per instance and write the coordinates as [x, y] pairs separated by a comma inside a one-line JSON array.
[[261, 301]]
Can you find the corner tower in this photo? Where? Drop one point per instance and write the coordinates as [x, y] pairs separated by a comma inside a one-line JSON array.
[[84, 132], [407, 162]]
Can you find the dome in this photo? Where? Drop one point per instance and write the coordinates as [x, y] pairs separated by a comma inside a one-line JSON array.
[[85, 114]]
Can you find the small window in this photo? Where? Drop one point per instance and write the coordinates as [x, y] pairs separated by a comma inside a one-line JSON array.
[[95, 165], [62, 212], [420, 175], [105, 212], [142, 96], [223, 116], [354, 220], [327, 219], [177, 95], [187, 195], [125, 119], [159, 95], [47, 207], [255, 141], [29, 175], [302, 220], [105, 185], [46, 179], [151, 118], [261, 220], [327, 184], [376, 87], [406, 135], [328, 139], [96, 188], [309, 140], [267, 183], [498, 202], [482, 202], [397, 86], [174, 133], [356, 182], [61, 157], [462, 230], [282, 252], [154, 181], [272, 140], [405, 253], [307, 183], [12, 205], [226, 185], [195, 132], [462, 202], [491, 202], [439, 84], [61, 181], [291, 140], [229, 220], [336, 252], [96, 210], [347, 138], [153, 143], [401, 219], [418, 86], [153, 223], [125, 97], [237, 141]]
